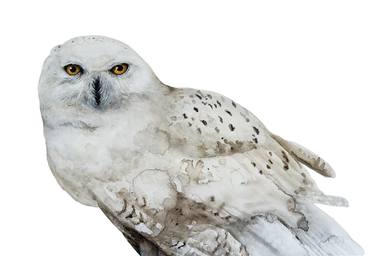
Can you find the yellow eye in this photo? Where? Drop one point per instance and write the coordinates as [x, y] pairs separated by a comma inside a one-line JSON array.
[[72, 69], [119, 69]]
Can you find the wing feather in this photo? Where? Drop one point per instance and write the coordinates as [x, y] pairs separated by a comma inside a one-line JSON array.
[[306, 157], [226, 186]]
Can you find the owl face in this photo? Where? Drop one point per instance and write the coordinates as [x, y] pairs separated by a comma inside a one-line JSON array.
[[95, 73]]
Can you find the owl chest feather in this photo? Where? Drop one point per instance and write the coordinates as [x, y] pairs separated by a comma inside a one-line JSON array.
[[81, 154]]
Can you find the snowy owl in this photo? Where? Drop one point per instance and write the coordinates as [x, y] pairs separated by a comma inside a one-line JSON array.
[[179, 171]]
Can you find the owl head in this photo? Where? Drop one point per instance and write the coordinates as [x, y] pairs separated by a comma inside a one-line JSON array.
[[94, 73]]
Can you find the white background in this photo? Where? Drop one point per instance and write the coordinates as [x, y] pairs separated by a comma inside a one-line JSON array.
[[305, 68]]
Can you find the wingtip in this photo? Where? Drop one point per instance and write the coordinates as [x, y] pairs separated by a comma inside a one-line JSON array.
[[328, 171]]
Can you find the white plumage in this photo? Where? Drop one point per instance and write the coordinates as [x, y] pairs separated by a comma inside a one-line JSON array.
[[179, 171]]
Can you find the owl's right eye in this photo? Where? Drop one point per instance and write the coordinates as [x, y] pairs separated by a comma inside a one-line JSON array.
[[73, 69]]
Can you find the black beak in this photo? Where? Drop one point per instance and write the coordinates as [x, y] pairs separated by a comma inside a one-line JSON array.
[[97, 86]]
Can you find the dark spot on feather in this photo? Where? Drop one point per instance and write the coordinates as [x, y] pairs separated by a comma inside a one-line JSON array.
[[212, 198], [200, 97], [209, 96], [183, 244], [217, 130], [199, 130], [286, 167], [195, 109], [234, 104], [268, 167], [184, 115], [255, 140], [189, 124], [231, 127], [269, 160], [256, 130], [204, 122], [285, 156], [254, 164], [210, 106], [260, 172], [215, 105], [220, 119], [229, 113], [218, 103]]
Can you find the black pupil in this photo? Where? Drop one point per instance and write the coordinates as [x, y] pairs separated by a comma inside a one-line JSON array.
[[73, 69], [120, 68]]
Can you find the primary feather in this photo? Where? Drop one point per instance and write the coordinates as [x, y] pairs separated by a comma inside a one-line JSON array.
[[181, 171]]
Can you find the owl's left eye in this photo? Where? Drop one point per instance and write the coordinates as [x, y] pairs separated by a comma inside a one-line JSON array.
[[73, 69], [119, 69]]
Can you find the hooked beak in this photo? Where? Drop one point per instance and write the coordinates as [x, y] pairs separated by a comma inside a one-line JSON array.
[[96, 86]]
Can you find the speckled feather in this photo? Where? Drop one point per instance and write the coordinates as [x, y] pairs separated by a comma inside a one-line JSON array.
[[180, 171]]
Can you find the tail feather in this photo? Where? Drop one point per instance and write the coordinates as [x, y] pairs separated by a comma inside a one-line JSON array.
[[325, 236], [306, 157], [266, 235]]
